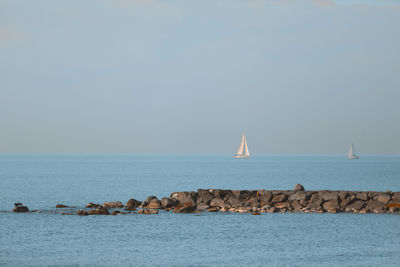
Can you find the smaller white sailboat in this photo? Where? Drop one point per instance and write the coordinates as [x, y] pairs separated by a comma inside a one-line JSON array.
[[352, 154], [243, 150]]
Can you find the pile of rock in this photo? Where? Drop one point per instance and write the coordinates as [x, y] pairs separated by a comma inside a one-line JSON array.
[[252, 201]]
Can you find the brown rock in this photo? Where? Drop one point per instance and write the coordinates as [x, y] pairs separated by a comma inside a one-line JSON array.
[[298, 196], [148, 211], [396, 196], [204, 196], [101, 210], [217, 202], [281, 205], [167, 202], [202, 206], [256, 213], [345, 202], [375, 206], [315, 203], [362, 196], [279, 198], [61, 206], [271, 210], [91, 205], [264, 196], [356, 206], [296, 205], [244, 209], [328, 195], [331, 206], [82, 213], [213, 209], [183, 197], [154, 204], [132, 204], [18, 207], [343, 194], [113, 205], [298, 187], [186, 207], [235, 202], [384, 198]]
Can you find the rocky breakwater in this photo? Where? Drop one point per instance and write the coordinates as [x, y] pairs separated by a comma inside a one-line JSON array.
[[297, 200]]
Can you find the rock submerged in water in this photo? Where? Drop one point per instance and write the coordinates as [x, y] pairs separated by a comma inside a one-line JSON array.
[[113, 205], [61, 206], [18, 207]]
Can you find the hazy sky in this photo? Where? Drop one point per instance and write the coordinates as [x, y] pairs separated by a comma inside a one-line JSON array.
[[125, 76]]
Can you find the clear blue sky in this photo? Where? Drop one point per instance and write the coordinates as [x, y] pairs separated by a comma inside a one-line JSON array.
[[125, 76]]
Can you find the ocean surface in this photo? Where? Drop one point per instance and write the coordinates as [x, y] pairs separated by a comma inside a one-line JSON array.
[[205, 239]]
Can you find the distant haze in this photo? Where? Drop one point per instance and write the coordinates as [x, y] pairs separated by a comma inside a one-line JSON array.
[[129, 76]]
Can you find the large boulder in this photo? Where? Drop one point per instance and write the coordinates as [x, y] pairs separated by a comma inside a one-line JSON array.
[[264, 196], [345, 202], [132, 204], [18, 207], [375, 206], [396, 196], [217, 202], [362, 196], [154, 204], [331, 206], [204, 196], [167, 202], [235, 202], [356, 206], [185, 207], [384, 198], [298, 187], [113, 205], [183, 197], [244, 194], [296, 205], [298, 196], [343, 194], [101, 210], [328, 195], [279, 198], [315, 203]]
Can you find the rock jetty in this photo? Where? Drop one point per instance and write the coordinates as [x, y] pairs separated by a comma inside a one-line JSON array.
[[250, 201]]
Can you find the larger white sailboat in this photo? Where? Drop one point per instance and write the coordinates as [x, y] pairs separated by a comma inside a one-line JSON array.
[[352, 153], [243, 150]]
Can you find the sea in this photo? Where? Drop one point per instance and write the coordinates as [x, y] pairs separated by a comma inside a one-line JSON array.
[[48, 238]]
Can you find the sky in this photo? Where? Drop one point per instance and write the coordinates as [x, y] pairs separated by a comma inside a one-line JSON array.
[[187, 77]]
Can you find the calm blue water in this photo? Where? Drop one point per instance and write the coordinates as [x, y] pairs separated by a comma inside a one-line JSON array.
[[166, 239]]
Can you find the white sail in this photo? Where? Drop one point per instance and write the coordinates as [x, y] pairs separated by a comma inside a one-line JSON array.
[[352, 154], [246, 149], [241, 145], [243, 150]]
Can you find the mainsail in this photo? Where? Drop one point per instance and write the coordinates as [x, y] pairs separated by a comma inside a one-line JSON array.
[[352, 154], [243, 150]]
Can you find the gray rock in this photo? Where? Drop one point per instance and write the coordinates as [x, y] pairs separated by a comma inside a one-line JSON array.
[[296, 205], [235, 202], [356, 206], [396, 196], [343, 194], [315, 202]]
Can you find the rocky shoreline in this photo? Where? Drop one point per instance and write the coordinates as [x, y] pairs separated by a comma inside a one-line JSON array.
[[248, 201]]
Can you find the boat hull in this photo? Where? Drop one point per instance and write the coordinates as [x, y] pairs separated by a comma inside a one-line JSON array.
[[353, 157], [241, 157]]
